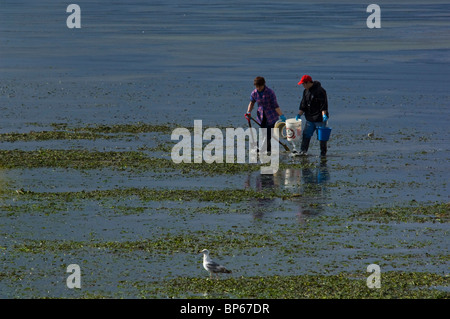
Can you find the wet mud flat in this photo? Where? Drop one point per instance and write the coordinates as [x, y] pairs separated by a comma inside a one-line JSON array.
[[86, 176], [135, 222]]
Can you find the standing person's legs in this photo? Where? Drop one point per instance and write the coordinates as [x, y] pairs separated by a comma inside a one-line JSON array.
[[323, 144], [308, 132], [267, 134], [323, 148], [269, 137]]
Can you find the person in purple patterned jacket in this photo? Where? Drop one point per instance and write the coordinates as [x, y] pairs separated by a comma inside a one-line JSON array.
[[269, 112]]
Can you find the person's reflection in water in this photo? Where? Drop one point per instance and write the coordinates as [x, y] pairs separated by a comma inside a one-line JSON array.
[[313, 188], [307, 182], [323, 175], [320, 175], [263, 182]]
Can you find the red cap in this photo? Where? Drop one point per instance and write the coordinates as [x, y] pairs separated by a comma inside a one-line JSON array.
[[305, 78]]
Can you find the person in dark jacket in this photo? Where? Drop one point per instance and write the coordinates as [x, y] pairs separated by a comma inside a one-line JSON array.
[[314, 105]]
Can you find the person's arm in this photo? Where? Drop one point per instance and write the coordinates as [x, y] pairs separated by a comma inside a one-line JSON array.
[[323, 101], [252, 101], [299, 115], [250, 106], [278, 108], [324, 105], [301, 108]]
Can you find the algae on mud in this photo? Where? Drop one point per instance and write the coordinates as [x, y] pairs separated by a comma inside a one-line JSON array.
[[63, 131], [165, 244], [436, 213], [50, 135], [185, 67], [92, 132], [149, 194], [122, 160], [324, 232], [286, 238], [395, 285], [341, 286]]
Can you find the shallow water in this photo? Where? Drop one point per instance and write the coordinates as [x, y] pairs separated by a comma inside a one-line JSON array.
[[172, 62]]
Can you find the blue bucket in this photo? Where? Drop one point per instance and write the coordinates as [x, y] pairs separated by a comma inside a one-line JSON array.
[[323, 133]]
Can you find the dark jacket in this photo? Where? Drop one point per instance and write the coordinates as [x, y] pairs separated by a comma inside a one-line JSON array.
[[314, 101]]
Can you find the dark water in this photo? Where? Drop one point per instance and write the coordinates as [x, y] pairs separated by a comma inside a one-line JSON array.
[[164, 62], [130, 61]]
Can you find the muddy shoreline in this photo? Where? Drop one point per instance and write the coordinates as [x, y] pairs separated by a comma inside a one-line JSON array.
[[86, 175]]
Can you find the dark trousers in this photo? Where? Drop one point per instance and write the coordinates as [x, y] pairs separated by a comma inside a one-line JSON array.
[[269, 132]]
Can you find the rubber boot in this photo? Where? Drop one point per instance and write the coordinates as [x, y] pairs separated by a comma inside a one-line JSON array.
[[305, 145], [323, 148]]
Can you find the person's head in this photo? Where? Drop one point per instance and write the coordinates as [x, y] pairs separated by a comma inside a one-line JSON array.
[[259, 82], [306, 81]]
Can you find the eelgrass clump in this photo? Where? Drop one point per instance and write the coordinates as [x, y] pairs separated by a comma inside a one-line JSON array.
[[435, 213], [394, 285]]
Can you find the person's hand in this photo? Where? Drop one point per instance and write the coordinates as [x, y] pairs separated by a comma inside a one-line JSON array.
[[298, 117], [325, 118], [248, 115], [283, 118]]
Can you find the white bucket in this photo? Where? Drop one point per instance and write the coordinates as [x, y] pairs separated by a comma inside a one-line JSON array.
[[293, 129]]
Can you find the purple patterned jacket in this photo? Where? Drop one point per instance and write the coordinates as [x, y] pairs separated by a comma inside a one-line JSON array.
[[267, 103]]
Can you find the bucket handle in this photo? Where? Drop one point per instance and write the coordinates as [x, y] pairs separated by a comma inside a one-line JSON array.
[[326, 125]]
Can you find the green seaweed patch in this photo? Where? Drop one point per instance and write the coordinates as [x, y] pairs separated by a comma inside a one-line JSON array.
[[435, 213], [39, 207], [126, 128], [150, 194], [79, 159], [85, 159], [135, 128], [165, 244], [90, 132], [51, 135], [341, 286]]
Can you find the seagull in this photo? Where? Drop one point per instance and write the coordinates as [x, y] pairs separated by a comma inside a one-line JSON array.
[[211, 266]]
